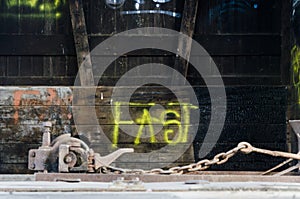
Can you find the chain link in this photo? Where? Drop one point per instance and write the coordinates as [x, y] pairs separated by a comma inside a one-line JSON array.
[[218, 159]]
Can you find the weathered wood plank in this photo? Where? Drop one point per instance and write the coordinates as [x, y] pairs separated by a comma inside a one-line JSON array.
[[15, 168], [37, 45], [36, 81], [235, 114], [18, 152], [243, 95], [185, 44], [216, 44], [81, 43], [264, 44]]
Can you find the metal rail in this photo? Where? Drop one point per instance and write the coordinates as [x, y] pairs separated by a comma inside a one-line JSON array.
[[191, 179]]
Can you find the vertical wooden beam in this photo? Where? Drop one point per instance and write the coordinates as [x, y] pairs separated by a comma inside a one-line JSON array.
[[48, 30], [184, 48], [81, 43], [185, 45]]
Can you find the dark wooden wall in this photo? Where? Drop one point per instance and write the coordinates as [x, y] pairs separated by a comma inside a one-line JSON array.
[[294, 108], [244, 38]]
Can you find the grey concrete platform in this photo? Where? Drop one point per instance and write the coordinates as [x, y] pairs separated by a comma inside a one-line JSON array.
[[24, 187], [172, 190], [167, 195], [37, 186], [15, 177]]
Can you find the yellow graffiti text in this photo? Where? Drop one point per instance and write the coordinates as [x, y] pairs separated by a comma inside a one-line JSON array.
[[40, 8], [179, 120], [13, 3], [295, 56]]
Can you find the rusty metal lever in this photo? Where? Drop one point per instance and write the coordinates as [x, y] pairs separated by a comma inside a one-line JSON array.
[[108, 159]]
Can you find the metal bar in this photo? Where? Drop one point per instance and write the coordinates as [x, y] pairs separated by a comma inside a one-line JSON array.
[[249, 149], [276, 153], [292, 168], [277, 166], [230, 177]]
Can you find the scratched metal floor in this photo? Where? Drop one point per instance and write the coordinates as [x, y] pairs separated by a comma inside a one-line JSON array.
[[25, 186], [91, 190]]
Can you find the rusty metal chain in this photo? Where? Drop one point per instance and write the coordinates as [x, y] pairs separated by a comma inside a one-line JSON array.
[[220, 158]]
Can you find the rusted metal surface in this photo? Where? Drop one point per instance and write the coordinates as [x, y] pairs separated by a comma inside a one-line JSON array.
[[295, 124], [205, 176], [68, 154]]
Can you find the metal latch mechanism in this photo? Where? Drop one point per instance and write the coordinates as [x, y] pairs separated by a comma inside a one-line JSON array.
[[68, 154]]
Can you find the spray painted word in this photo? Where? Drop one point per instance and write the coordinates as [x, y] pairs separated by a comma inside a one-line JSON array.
[[138, 7], [179, 119], [40, 9], [295, 56]]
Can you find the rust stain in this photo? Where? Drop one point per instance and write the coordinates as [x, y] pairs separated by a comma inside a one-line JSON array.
[[17, 101], [52, 98]]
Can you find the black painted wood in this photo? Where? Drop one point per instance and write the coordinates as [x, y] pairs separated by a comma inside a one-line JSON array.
[[185, 44], [249, 46], [81, 43], [224, 45]]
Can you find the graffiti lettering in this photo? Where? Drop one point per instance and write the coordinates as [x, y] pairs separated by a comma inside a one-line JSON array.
[[40, 9], [180, 120], [138, 4], [223, 9], [295, 56]]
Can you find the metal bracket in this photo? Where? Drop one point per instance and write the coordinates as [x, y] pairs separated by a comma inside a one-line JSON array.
[[68, 154], [295, 124]]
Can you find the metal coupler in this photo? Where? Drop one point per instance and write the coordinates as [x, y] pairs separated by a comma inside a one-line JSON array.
[[68, 154]]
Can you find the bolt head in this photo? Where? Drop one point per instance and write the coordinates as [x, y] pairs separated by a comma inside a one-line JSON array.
[[68, 159]]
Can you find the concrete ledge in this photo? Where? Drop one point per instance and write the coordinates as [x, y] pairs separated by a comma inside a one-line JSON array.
[[13, 177]]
